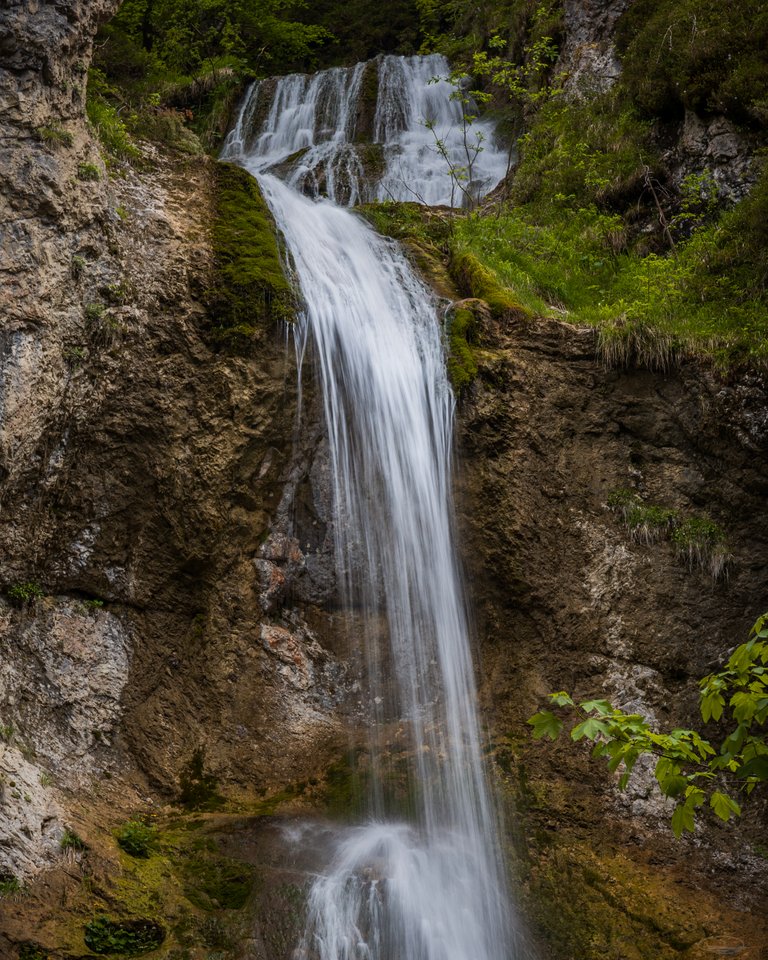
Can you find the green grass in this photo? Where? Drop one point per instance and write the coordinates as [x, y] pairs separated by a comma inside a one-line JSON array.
[[707, 299], [8, 884], [109, 127], [71, 841], [698, 542]]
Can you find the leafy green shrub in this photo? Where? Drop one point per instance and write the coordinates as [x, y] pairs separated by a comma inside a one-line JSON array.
[[127, 937], [71, 841], [88, 171], [703, 55], [689, 769], [93, 604], [137, 839], [24, 594]]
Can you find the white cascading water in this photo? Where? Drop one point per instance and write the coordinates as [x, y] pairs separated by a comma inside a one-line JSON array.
[[432, 888], [316, 120]]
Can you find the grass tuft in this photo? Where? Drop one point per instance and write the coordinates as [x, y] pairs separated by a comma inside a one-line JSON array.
[[699, 542]]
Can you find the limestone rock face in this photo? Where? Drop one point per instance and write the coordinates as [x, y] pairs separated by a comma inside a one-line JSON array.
[[143, 467], [718, 146], [588, 55], [43, 48]]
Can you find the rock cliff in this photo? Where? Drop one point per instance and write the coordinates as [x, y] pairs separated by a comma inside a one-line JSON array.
[[143, 468]]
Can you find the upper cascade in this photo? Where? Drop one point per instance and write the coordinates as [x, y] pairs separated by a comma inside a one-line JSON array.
[[388, 129]]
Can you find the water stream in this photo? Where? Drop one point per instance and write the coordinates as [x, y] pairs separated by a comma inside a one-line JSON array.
[[430, 886]]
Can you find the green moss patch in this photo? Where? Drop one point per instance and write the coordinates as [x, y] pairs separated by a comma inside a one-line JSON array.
[[250, 288], [366, 103], [123, 937], [461, 362], [212, 882], [345, 787]]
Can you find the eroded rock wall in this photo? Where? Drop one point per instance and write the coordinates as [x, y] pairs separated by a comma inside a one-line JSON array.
[[153, 484], [566, 599]]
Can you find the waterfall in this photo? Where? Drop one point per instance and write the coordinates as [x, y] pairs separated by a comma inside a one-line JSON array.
[[430, 887], [324, 135]]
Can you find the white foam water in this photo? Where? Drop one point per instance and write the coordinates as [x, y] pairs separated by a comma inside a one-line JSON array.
[[431, 888]]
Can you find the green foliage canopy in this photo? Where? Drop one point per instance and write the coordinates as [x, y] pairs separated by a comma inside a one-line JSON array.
[[188, 35], [703, 55]]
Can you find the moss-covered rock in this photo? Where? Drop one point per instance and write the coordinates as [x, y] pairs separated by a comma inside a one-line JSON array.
[[250, 288], [461, 362], [123, 937], [476, 280]]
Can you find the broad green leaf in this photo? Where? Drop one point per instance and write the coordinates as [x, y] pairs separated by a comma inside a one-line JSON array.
[[744, 706], [712, 706], [603, 707], [665, 768], [561, 699], [733, 743], [682, 819], [723, 806], [673, 785], [591, 728], [756, 767], [546, 724]]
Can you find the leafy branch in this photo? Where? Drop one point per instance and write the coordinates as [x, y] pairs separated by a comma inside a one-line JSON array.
[[689, 769], [461, 170], [526, 82]]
